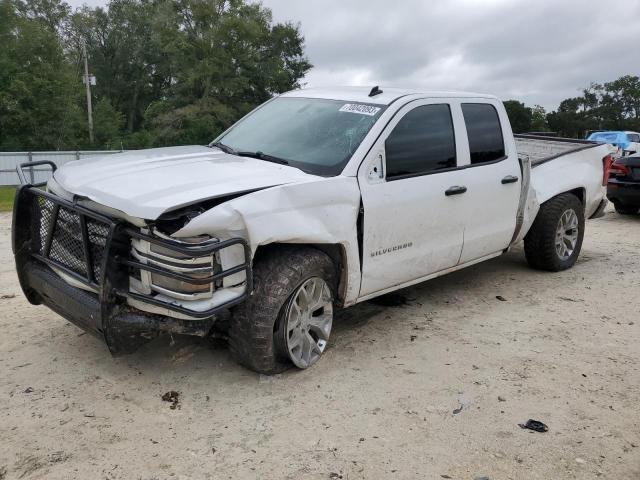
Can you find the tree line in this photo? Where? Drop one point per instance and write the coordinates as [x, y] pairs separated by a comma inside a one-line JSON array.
[[173, 72], [608, 106], [168, 71]]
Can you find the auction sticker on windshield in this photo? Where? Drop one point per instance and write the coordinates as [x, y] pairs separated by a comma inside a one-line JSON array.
[[360, 109]]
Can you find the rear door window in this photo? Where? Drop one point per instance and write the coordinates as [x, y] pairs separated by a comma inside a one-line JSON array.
[[422, 142], [633, 137], [486, 142]]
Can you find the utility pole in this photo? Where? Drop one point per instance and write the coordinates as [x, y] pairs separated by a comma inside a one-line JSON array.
[[87, 81]]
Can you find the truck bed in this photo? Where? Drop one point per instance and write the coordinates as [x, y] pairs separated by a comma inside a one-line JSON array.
[[542, 149]]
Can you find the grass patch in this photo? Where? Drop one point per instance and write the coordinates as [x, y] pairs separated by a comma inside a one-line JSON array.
[[6, 198]]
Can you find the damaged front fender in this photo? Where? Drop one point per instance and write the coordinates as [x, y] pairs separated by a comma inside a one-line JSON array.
[[322, 211]]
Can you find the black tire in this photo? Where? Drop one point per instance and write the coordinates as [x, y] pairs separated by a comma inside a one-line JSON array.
[[625, 209], [539, 243], [255, 329]]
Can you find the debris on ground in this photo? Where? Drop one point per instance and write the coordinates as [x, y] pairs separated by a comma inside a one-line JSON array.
[[28, 390], [569, 299], [184, 354], [58, 457], [7, 296], [458, 410], [501, 298], [501, 398], [534, 425], [173, 397]]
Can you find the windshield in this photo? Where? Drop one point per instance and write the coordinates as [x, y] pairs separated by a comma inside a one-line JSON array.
[[316, 135]]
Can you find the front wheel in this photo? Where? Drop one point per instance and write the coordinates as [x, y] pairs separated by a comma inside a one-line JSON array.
[[288, 318], [555, 239]]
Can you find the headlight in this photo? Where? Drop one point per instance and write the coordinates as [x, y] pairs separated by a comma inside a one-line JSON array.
[[197, 268]]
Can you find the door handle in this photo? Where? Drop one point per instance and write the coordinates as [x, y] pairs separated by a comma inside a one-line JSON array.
[[509, 179], [455, 190]]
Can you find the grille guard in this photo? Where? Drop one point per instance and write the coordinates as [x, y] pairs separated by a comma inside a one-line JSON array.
[[109, 274]]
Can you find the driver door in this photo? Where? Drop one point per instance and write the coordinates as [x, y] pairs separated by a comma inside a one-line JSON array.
[[412, 195]]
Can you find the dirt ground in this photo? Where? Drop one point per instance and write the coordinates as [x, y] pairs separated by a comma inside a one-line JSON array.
[[431, 389]]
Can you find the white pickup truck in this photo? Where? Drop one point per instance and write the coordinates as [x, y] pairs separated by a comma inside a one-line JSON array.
[[318, 199]]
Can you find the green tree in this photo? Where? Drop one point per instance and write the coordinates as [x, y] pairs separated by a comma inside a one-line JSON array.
[[571, 119], [610, 106], [168, 71], [519, 116], [226, 58], [36, 80], [124, 54], [539, 119], [108, 125]]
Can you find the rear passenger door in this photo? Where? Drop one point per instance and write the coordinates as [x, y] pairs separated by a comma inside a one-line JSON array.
[[411, 194], [493, 181]]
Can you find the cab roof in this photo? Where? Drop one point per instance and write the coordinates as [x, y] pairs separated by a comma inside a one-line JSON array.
[[388, 95]]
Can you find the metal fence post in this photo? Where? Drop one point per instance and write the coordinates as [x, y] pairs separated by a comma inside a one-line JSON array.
[[31, 173]]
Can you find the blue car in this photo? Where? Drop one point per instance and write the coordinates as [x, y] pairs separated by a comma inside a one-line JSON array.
[[627, 143]]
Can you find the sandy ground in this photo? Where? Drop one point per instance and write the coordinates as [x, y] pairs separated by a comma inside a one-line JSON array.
[[383, 403]]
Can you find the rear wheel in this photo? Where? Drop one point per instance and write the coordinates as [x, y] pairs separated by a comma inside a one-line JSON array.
[[555, 239], [625, 209], [288, 318]]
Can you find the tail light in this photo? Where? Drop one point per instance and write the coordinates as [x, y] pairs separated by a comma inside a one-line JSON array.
[[607, 163], [618, 170]]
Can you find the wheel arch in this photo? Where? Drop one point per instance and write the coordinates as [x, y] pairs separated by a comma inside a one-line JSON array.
[[578, 192], [337, 252]]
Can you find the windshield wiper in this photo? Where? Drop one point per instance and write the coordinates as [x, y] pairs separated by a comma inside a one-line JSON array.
[[224, 148], [263, 156], [259, 155]]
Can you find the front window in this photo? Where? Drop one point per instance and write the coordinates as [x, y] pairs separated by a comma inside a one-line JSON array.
[[316, 135], [422, 142]]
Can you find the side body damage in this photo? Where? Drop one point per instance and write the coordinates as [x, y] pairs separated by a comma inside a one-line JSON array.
[[321, 212]]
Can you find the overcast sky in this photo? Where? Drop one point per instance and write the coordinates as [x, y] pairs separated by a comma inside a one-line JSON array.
[[539, 52]]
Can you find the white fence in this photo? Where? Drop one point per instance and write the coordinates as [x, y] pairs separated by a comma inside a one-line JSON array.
[[10, 160]]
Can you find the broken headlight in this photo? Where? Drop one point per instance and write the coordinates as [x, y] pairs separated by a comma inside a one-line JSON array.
[[198, 268]]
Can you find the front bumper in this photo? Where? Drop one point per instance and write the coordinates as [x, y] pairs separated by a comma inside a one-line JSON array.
[[53, 238]]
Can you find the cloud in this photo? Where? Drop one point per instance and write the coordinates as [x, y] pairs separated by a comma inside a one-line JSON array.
[[538, 52]]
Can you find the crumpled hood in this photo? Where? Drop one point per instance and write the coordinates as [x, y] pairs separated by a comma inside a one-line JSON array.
[[147, 183]]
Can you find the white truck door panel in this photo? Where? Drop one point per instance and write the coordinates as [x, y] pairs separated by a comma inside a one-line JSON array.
[[493, 181], [411, 227], [491, 209]]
